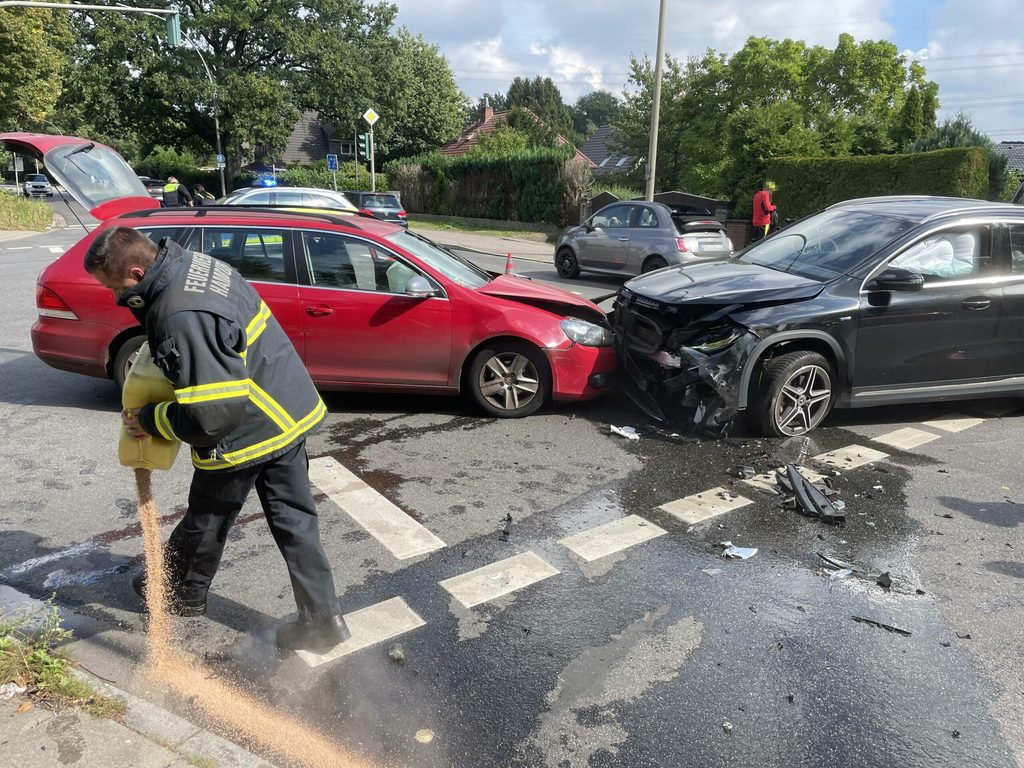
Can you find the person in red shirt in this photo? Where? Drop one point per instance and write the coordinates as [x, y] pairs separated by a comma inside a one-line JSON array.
[[763, 210]]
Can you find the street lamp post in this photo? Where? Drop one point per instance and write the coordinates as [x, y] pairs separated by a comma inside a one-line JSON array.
[[652, 151], [216, 111]]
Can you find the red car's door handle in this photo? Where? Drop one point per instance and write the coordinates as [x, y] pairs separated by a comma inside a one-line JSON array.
[[978, 303], [319, 311]]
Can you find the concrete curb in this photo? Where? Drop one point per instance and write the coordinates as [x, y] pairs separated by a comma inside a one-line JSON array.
[[172, 732]]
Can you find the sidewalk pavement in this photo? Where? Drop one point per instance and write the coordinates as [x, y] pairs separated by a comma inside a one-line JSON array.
[[148, 735], [495, 245]]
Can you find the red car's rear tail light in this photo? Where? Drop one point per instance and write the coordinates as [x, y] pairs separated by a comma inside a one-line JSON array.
[[681, 245], [50, 304]]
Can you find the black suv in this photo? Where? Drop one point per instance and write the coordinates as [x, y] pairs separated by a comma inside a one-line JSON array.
[[871, 301], [383, 205]]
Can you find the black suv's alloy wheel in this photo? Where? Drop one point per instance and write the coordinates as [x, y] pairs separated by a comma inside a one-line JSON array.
[[797, 394]]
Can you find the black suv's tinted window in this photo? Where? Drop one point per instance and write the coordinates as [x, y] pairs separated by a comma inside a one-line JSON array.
[[258, 254], [827, 245]]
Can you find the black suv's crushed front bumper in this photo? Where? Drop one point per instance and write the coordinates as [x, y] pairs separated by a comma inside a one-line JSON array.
[[669, 379]]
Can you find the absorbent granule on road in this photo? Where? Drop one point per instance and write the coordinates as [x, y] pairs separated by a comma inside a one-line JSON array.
[[156, 573], [251, 721], [244, 717]]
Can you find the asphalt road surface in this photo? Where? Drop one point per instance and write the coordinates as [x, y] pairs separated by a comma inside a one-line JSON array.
[[575, 645]]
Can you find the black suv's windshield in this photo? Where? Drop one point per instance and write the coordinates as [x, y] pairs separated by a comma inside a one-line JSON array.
[[827, 245]]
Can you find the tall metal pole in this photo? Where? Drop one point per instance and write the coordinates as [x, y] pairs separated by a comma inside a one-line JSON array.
[[373, 171], [652, 149], [355, 151], [216, 111]]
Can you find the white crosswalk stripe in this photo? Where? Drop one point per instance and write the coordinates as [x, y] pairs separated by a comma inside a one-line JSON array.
[[766, 480], [400, 534], [369, 626], [906, 438], [850, 457], [702, 506], [954, 423], [612, 537], [497, 579]]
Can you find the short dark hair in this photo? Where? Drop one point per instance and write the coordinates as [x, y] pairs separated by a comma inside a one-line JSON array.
[[119, 249]]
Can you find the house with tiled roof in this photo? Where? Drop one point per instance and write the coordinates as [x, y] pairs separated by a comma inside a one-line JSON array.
[[598, 149], [310, 141], [470, 136], [1014, 151]]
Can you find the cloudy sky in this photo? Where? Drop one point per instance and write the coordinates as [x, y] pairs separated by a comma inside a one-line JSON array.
[[974, 49]]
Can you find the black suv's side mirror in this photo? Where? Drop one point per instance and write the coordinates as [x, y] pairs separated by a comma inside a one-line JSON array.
[[897, 279]]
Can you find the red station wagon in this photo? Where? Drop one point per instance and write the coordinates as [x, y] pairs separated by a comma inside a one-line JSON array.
[[368, 305]]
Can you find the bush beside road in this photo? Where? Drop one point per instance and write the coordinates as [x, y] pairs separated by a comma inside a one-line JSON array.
[[17, 213]]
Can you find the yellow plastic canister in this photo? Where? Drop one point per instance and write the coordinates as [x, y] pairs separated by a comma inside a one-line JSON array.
[[144, 384]]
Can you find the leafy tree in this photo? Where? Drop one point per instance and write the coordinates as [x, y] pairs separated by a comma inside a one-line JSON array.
[[496, 101], [503, 140], [542, 97], [537, 132], [723, 117], [594, 110], [33, 56]]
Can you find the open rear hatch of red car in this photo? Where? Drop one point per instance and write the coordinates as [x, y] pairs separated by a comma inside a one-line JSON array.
[[96, 176]]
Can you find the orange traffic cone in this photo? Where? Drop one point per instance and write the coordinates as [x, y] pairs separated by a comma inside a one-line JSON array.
[[509, 269]]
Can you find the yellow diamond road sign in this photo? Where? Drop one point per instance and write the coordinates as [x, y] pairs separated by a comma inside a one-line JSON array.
[[370, 116]]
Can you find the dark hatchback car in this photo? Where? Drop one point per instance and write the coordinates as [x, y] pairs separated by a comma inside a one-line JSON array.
[[382, 205], [869, 302]]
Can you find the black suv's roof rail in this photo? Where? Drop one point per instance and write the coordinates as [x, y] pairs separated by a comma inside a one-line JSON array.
[[333, 218]]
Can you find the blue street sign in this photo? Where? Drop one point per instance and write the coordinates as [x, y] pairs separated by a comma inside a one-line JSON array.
[[221, 158], [332, 162]]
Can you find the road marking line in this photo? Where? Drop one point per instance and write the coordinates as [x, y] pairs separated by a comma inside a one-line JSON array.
[[399, 533], [702, 506], [612, 537], [497, 579], [72, 551], [766, 480], [369, 626], [955, 422], [906, 438], [850, 457], [54, 249], [22, 248]]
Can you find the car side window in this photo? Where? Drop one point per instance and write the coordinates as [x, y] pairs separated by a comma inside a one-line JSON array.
[[258, 254], [257, 198], [948, 255], [337, 261], [615, 217], [289, 198], [156, 234], [318, 201], [1016, 248], [647, 218]]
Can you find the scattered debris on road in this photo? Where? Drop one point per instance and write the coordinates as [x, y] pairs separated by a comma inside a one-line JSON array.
[[727, 726], [737, 553], [884, 581], [744, 472], [880, 625], [507, 527], [396, 654], [811, 500], [964, 635], [629, 433]]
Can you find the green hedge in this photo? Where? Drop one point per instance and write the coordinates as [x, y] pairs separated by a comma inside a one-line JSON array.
[[17, 213], [808, 184], [535, 185]]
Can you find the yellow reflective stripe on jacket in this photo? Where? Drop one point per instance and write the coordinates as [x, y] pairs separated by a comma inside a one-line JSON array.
[[266, 446], [163, 424], [218, 390], [270, 407], [257, 325]]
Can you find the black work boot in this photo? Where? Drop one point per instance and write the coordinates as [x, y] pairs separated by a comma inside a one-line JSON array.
[[316, 635], [177, 603]]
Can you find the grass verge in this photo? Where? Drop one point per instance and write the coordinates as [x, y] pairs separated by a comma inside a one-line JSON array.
[[30, 660], [18, 213], [460, 225]]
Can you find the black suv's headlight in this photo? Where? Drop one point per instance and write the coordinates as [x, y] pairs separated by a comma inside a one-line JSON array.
[[722, 338], [587, 334]]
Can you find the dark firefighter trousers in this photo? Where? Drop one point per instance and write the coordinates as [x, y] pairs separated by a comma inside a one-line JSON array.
[[195, 546]]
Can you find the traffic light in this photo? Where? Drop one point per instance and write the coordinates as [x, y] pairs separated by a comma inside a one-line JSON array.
[[173, 22], [363, 147]]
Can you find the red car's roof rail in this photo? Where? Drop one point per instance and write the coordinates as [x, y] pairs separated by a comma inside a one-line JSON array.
[[246, 210]]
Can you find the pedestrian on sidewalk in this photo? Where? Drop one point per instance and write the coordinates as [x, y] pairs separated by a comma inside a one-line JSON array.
[[765, 211], [244, 402]]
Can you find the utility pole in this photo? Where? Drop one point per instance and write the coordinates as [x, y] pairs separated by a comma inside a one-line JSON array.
[[652, 149]]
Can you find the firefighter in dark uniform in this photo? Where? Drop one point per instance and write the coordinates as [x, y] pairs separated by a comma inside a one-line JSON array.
[[244, 402], [176, 195]]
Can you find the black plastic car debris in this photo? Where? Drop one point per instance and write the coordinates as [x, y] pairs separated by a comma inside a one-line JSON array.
[[880, 625], [884, 580], [810, 500]]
